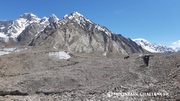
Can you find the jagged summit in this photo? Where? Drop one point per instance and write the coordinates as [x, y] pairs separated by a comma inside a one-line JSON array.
[[77, 17], [74, 14], [53, 18], [29, 16]]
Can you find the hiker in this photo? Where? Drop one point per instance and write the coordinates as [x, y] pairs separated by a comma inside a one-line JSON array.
[[146, 59]]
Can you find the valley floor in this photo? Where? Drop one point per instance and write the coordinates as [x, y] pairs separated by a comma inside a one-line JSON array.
[[32, 75]]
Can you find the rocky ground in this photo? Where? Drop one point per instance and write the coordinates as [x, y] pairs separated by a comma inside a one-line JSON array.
[[32, 75]]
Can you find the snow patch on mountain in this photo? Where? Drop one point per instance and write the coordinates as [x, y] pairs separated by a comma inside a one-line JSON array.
[[104, 54], [60, 54], [4, 37], [104, 29], [44, 20], [2, 28]]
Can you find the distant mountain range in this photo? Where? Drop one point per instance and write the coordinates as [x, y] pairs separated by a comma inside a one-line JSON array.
[[12, 31], [154, 48], [73, 32]]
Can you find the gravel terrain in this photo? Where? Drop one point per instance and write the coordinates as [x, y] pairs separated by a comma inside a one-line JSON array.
[[32, 75]]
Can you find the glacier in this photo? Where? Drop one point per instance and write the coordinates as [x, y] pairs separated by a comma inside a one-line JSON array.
[[4, 51]]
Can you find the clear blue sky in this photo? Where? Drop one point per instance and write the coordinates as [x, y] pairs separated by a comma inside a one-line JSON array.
[[154, 20]]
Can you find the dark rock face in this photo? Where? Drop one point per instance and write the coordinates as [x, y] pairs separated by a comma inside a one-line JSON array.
[[78, 34], [53, 19], [26, 36], [131, 45], [5, 24]]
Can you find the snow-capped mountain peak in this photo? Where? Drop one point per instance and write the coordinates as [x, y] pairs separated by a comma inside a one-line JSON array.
[[29, 17], [77, 17], [21, 23], [142, 42], [12, 29], [83, 22], [154, 48], [76, 14]]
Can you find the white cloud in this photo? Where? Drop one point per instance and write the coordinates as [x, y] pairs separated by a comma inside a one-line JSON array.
[[176, 45]]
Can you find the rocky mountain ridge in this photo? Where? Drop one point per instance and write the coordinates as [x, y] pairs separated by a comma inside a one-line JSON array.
[[76, 33]]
